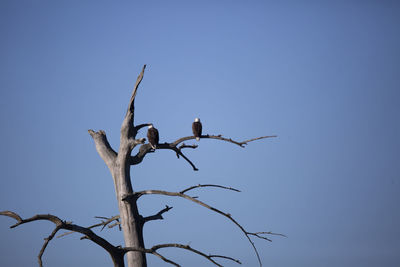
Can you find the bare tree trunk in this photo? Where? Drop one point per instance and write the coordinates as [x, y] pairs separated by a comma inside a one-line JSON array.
[[131, 220], [119, 165]]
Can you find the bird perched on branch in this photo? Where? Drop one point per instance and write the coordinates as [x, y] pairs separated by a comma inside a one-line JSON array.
[[197, 128], [152, 136]]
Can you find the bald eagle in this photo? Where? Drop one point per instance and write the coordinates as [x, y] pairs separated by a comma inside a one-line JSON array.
[[152, 136], [197, 128]]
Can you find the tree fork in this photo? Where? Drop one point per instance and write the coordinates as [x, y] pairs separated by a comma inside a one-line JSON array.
[[119, 165], [130, 220]]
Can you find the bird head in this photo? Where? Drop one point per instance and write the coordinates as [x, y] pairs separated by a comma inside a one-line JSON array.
[[197, 120]]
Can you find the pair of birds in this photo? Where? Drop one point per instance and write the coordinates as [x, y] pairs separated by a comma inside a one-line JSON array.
[[153, 136]]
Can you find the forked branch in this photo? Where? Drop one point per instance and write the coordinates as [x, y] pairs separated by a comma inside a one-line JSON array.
[[154, 249], [219, 137], [137, 195], [146, 148], [102, 223], [115, 253]]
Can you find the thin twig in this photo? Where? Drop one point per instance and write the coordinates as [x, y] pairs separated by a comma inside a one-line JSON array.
[[102, 223], [208, 185], [46, 242]]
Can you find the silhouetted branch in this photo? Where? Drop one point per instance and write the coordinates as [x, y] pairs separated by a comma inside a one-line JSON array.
[[157, 216], [219, 137], [115, 253], [107, 221], [135, 196], [208, 185], [187, 146], [179, 153], [146, 148], [154, 249], [225, 257], [259, 235], [102, 223], [46, 242]]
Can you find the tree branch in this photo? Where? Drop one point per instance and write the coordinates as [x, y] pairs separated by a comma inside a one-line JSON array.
[[140, 126], [115, 224], [102, 223], [259, 235], [103, 147], [46, 242], [138, 81], [115, 253], [127, 129], [219, 137], [157, 216], [154, 249], [179, 153], [137, 195], [208, 185], [138, 158], [146, 148]]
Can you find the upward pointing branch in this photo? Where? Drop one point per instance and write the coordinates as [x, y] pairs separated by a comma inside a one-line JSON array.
[[127, 129], [138, 80]]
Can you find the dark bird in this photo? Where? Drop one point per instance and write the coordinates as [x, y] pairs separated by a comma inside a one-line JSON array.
[[197, 128], [152, 136]]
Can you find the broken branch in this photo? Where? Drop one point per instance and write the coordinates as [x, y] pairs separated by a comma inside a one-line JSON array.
[[103, 147], [157, 216]]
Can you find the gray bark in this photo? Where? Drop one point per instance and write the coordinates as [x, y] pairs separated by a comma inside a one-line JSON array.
[[119, 166]]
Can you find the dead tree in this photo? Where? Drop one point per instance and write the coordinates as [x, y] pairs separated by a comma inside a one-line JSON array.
[[130, 220]]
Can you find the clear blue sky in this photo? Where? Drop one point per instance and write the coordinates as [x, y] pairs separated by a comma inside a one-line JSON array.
[[322, 75]]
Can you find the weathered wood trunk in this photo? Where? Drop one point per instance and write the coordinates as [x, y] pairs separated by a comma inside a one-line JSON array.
[[119, 166], [131, 220]]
